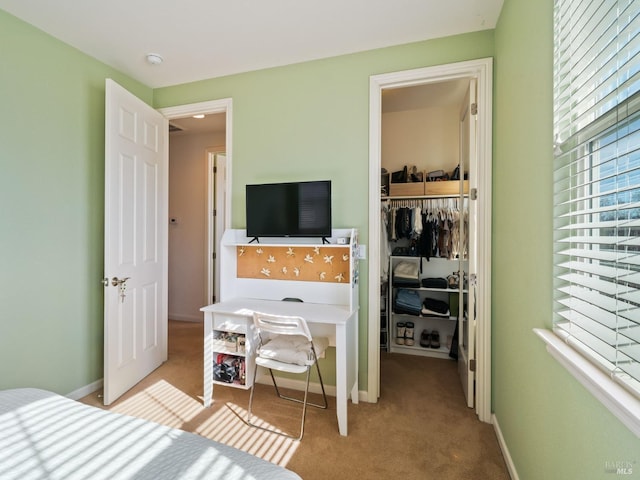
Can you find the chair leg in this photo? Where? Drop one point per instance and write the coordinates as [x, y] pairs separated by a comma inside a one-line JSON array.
[[304, 407], [324, 395], [304, 401]]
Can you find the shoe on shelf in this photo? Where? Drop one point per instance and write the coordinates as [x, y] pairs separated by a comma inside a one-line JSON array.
[[408, 334], [435, 339], [400, 330], [425, 339]]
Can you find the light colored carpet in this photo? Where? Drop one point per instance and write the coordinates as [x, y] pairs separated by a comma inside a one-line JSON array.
[[419, 429]]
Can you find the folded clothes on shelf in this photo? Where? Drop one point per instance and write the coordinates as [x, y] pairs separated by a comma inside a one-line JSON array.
[[433, 282], [406, 274], [431, 306], [407, 301]]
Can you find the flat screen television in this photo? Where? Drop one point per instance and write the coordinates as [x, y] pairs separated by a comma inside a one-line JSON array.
[[293, 209]]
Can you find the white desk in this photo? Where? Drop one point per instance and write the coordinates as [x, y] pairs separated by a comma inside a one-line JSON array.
[[337, 322]]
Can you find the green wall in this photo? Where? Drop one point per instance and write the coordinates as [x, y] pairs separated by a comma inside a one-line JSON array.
[[51, 209], [553, 427], [311, 121]]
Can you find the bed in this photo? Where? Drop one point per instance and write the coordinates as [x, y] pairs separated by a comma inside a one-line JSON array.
[[47, 436]]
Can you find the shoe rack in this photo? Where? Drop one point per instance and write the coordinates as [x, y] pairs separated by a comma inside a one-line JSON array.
[[385, 331], [425, 334]]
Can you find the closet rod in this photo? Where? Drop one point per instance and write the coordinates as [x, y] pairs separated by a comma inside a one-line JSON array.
[[424, 197]]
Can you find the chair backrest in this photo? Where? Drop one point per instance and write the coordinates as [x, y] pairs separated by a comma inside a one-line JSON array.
[[281, 324]]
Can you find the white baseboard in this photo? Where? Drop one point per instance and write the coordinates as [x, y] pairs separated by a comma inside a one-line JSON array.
[[511, 468], [186, 317], [363, 396], [313, 387], [264, 379], [86, 390]]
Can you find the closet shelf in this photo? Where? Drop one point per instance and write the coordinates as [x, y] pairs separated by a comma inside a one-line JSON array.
[[417, 257], [416, 349], [430, 317], [431, 289]]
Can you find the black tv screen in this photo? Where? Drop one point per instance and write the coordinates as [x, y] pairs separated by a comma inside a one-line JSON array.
[[294, 209]]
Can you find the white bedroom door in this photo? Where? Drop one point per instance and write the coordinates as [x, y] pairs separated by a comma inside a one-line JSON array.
[[467, 321], [135, 257]]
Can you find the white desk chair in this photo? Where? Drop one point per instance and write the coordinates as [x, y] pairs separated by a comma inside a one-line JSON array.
[[286, 346]]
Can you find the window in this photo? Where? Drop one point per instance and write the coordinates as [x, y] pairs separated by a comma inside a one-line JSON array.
[[597, 183]]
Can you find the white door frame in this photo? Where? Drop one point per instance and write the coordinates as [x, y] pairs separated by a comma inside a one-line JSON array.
[[215, 221], [224, 105], [480, 69]]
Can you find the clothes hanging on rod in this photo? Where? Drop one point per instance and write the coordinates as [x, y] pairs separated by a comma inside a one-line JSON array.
[[434, 227], [384, 244]]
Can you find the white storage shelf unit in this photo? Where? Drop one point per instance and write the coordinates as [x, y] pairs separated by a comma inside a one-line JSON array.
[[435, 267], [231, 342]]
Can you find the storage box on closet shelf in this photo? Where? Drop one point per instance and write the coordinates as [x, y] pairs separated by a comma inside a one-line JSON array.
[[410, 182], [441, 183], [447, 187], [407, 182]]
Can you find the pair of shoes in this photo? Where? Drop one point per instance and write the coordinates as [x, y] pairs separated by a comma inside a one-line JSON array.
[[430, 339], [404, 333]]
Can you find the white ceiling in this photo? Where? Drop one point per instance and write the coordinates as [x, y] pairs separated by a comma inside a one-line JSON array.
[[216, 122], [201, 39]]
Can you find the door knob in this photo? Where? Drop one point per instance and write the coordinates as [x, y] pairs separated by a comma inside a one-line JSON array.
[[115, 281]]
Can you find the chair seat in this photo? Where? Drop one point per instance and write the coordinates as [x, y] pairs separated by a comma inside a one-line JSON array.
[[280, 366], [293, 349]]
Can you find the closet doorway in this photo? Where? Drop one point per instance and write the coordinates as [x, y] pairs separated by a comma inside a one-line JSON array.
[[469, 146]]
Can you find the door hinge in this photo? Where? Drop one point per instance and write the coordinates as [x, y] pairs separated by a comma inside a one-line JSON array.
[[472, 365], [474, 109], [473, 194], [215, 212], [213, 255], [215, 169]]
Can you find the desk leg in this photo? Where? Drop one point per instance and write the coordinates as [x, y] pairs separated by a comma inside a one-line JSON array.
[[341, 378], [207, 381], [346, 369], [353, 352]]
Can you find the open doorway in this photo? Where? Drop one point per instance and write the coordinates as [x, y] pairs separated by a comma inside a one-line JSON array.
[[195, 145], [478, 196], [199, 204]]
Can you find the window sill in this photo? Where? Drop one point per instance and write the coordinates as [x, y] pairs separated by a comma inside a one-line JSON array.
[[614, 397]]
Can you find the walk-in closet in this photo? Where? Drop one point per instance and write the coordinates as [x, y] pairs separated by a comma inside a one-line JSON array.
[[428, 258]]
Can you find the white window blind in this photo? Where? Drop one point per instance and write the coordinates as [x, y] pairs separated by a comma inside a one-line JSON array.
[[597, 183]]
